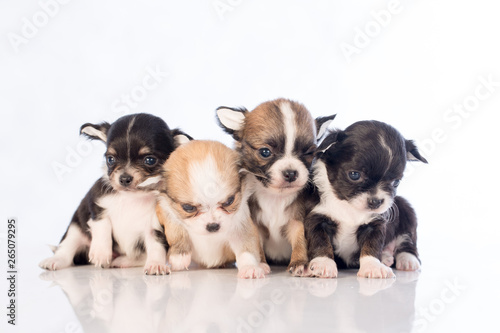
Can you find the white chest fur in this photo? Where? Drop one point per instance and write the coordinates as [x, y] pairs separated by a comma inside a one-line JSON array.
[[132, 214], [348, 218], [274, 215], [209, 250]]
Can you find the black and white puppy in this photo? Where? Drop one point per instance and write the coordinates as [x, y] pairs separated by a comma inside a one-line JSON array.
[[357, 220], [277, 142], [116, 223]]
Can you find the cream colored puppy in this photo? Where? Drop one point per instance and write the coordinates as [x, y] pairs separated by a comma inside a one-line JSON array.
[[204, 210]]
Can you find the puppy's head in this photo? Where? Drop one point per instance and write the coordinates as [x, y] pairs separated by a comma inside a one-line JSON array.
[[203, 184], [137, 146], [277, 141], [365, 164]]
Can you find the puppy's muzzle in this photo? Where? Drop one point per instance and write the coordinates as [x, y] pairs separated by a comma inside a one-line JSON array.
[[213, 227]]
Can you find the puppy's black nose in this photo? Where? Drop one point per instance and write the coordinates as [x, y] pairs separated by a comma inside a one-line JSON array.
[[213, 227], [290, 175], [126, 180], [375, 203]]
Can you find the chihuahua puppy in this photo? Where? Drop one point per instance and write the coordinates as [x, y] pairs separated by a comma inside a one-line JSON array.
[[357, 219], [205, 213], [116, 223], [276, 142]]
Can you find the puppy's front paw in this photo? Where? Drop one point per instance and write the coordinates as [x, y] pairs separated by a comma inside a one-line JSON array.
[[387, 259], [156, 268], [100, 257], [371, 267], [251, 272], [297, 268], [55, 263], [180, 261], [265, 267], [407, 262], [323, 267]]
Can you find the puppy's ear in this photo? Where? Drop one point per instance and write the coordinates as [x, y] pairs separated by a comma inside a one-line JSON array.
[[180, 137], [95, 132], [412, 152], [231, 119], [322, 124], [331, 139]]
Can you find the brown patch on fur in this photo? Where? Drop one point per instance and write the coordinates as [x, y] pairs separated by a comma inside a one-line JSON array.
[[144, 151], [295, 235]]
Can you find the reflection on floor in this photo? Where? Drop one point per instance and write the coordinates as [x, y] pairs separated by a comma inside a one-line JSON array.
[[125, 300]]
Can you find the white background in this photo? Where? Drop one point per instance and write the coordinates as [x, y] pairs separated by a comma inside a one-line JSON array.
[[429, 57]]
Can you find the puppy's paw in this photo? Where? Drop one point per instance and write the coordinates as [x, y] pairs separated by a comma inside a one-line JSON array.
[[323, 267], [100, 257], [156, 268], [265, 267], [407, 262], [387, 259], [55, 263], [371, 267], [180, 262], [251, 272], [297, 268]]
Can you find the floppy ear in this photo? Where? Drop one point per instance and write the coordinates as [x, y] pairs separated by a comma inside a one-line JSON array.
[[180, 137], [231, 119], [412, 153], [95, 132], [322, 124]]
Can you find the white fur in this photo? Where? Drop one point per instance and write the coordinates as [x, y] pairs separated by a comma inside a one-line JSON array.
[[360, 202], [349, 219], [386, 147], [132, 215], [231, 119], [407, 262], [289, 124], [150, 181], [323, 267], [91, 131], [278, 183], [274, 216], [101, 245], [371, 267], [322, 130], [65, 252]]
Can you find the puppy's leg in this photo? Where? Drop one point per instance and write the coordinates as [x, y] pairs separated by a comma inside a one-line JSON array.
[[156, 244], [319, 231], [247, 249], [73, 241], [179, 251], [101, 245], [295, 234], [371, 241], [406, 252]]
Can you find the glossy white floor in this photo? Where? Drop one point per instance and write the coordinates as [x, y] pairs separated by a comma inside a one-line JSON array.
[[443, 297]]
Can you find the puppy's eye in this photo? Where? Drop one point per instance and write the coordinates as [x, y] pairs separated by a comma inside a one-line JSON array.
[[228, 202], [309, 151], [110, 160], [354, 175], [188, 208], [150, 160], [265, 152], [396, 182]]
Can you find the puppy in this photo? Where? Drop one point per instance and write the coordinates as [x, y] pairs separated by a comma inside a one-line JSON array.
[[116, 223], [205, 213], [357, 219], [276, 142]]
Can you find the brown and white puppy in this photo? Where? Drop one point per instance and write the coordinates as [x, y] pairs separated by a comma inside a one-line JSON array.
[[205, 213], [116, 223], [276, 142], [357, 219]]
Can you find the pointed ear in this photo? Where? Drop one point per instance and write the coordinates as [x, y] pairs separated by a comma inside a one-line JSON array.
[[180, 137], [95, 132], [331, 139], [231, 119], [412, 152], [322, 124]]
